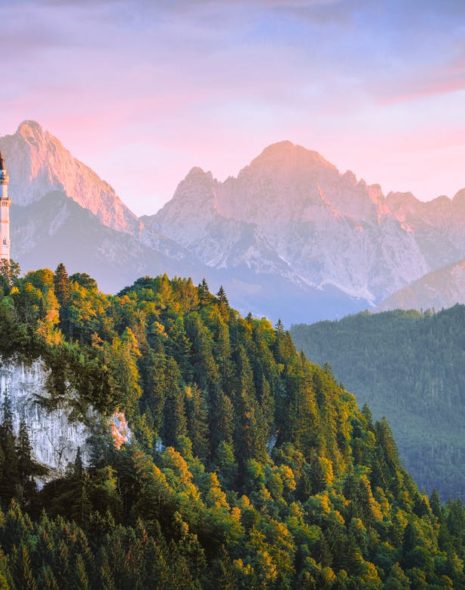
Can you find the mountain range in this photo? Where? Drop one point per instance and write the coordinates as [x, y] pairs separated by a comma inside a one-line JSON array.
[[289, 237]]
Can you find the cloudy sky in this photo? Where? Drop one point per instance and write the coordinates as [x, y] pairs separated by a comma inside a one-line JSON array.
[[142, 90]]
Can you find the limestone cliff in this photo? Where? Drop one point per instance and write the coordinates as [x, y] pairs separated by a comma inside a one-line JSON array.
[[55, 437]]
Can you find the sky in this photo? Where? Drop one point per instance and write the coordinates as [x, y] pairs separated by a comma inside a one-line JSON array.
[[143, 90]]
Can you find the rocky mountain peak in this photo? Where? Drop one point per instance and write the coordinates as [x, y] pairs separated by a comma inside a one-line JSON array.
[[459, 198], [39, 164], [289, 157], [197, 171], [350, 177], [196, 188], [29, 127]]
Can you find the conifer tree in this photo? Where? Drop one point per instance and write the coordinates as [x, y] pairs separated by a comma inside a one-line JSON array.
[[9, 481], [105, 574], [24, 569], [62, 285], [27, 468], [174, 416], [81, 505], [81, 579], [197, 420], [204, 292], [435, 504], [63, 294], [47, 580], [221, 418], [222, 297]]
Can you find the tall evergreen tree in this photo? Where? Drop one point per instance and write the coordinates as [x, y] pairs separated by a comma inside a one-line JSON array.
[[222, 298], [27, 467], [62, 289], [62, 285], [197, 420], [9, 480]]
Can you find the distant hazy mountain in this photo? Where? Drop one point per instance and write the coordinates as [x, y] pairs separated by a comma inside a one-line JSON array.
[[303, 219], [56, 229], [38, 164], [289, 237], [436, 290]]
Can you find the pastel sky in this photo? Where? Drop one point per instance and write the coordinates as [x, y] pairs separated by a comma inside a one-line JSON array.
[[143, 90]]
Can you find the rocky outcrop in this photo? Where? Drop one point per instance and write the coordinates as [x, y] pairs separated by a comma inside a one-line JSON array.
[[55, 437]]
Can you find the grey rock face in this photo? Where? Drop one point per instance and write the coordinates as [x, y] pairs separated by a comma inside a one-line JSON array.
[[54, 438], [305, 221]]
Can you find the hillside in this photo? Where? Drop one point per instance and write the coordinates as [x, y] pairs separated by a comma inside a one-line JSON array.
[[249, 467], [409, 367]]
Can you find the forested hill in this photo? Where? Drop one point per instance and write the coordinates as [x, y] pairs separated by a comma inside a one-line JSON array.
[[249, 466], [409, 367]]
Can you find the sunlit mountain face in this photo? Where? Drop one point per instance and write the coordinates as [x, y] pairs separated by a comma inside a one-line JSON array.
[[289, 237], [158, 88]]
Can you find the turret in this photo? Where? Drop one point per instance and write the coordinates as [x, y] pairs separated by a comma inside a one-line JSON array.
[[4, 211]]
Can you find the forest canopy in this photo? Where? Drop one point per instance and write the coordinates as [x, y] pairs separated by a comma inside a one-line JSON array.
[[410, 367], [249, 467]]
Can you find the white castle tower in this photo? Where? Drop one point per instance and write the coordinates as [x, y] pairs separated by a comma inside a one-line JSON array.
[[4, 212]]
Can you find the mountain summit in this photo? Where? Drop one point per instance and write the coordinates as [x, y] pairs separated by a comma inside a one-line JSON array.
[[328, 228], [39, 164], [290, 236]]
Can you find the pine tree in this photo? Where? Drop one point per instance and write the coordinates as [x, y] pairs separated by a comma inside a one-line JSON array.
[[81, 579], [222, 297], [173, 420], [47, 580], [62, 285], [9, 480], [26, 466], [174, 424], [204, 292], [435, 504], [81, 505], [24, 568], [6, 582], [63, 295], [78, 466], [105, 575], [221, 419], [197, 420]]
